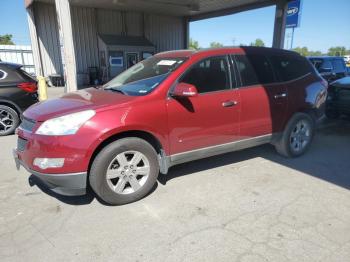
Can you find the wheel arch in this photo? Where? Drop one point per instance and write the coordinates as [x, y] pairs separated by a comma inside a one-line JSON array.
[[312, 112], [147, 136], [11, 105]]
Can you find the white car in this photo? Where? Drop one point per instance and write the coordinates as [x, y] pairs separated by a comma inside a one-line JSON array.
[[347, 59]]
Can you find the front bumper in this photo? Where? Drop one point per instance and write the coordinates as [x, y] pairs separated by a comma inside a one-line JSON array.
[[71, 184]]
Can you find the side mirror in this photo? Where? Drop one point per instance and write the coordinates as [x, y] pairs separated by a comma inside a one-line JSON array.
[[184, 90]]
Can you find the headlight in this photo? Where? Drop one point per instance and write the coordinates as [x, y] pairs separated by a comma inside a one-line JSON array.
[[65, 125]]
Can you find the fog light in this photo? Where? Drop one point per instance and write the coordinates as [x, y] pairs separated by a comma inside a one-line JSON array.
[[45, 163]]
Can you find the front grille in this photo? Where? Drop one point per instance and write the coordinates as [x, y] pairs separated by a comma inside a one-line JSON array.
[[21, 144], [344, 95], [27, 124]]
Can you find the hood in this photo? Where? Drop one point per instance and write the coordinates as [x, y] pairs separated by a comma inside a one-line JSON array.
[[86, 99], [342, 83]]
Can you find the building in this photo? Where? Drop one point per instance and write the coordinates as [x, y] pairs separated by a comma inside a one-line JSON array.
[[78, 39]]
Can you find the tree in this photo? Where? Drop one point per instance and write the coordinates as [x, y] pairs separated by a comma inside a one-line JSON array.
[[315, 53], [216, 45], [302, 50], [337, 51], [6, 40], [193, 44], [258, 42]]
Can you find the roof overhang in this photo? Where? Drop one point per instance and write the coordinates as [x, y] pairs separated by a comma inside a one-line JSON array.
[[192, 9]]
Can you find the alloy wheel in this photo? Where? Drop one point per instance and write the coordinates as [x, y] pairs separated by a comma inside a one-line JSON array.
[[6, 121], [300, 136], [128, 172]]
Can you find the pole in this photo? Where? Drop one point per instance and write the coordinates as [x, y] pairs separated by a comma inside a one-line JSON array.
[[291, 42]]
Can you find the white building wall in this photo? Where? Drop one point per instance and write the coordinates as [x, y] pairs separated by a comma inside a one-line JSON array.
[[165, 32], [85, 40], [18, 54], [47, 31], [109, 21], [134, 23]]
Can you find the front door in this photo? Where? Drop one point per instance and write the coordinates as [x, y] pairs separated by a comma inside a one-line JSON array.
[[212, 117]]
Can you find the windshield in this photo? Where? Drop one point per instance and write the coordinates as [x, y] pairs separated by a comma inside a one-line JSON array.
[[144, 77]]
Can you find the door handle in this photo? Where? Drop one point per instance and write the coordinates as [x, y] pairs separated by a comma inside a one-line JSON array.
[[229, 103], [280, 95]]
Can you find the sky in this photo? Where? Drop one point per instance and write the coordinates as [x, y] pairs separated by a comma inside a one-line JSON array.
[[324, 23], [13, 20]]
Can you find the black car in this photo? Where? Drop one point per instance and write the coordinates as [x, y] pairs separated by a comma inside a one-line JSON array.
[[18, 91], [338, 100], [331, 68]]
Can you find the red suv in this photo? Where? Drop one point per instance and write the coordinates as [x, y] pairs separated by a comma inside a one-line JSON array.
[[169, 109]]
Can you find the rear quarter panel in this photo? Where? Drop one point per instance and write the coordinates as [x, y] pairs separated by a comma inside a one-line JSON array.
[[306, 94]]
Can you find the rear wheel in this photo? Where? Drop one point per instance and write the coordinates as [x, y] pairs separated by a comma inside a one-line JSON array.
[[9, 120], [124, 171], [297, 136]]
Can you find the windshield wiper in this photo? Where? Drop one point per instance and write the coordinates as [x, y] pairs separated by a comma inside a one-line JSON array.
[[116, 90]]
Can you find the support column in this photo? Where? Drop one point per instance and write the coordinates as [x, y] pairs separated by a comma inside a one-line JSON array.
[[34, 42], [280, 24], [186, 32], [67, 44]]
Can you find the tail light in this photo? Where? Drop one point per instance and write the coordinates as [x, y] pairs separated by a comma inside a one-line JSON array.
[[29, 87]]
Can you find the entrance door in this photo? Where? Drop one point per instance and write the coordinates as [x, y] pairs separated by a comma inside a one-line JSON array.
[[212, 117], [131, 59]]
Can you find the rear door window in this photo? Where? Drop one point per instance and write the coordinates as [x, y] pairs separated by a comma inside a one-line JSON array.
[[254, 69], [26, 74], [246, 71], [290, 67], [209, 75]]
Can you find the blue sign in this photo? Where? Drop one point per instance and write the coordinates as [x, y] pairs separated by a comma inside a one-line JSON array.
[[293, 14]]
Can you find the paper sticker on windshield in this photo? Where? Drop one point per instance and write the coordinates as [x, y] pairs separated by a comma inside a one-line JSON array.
[[166, 62]]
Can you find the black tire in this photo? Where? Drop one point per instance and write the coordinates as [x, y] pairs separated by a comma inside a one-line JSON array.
[[14, 122], [332, 114], [98, 171], [284, 146]]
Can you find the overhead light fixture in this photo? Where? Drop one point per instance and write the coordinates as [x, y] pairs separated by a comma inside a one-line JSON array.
[[119, 2], [194, 8]]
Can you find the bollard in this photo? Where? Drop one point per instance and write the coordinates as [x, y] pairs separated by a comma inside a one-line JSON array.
[[42, 88]]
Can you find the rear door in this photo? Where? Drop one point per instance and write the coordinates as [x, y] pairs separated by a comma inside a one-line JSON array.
[[212, 117], [263, 99]]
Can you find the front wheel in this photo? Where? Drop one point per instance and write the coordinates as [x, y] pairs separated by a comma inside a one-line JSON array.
[[297, 136], [124, 171]]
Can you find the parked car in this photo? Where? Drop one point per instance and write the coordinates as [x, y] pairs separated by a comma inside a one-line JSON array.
[[18, 91], [171, 108], [347, 59], [338, 99], [331, 68]]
